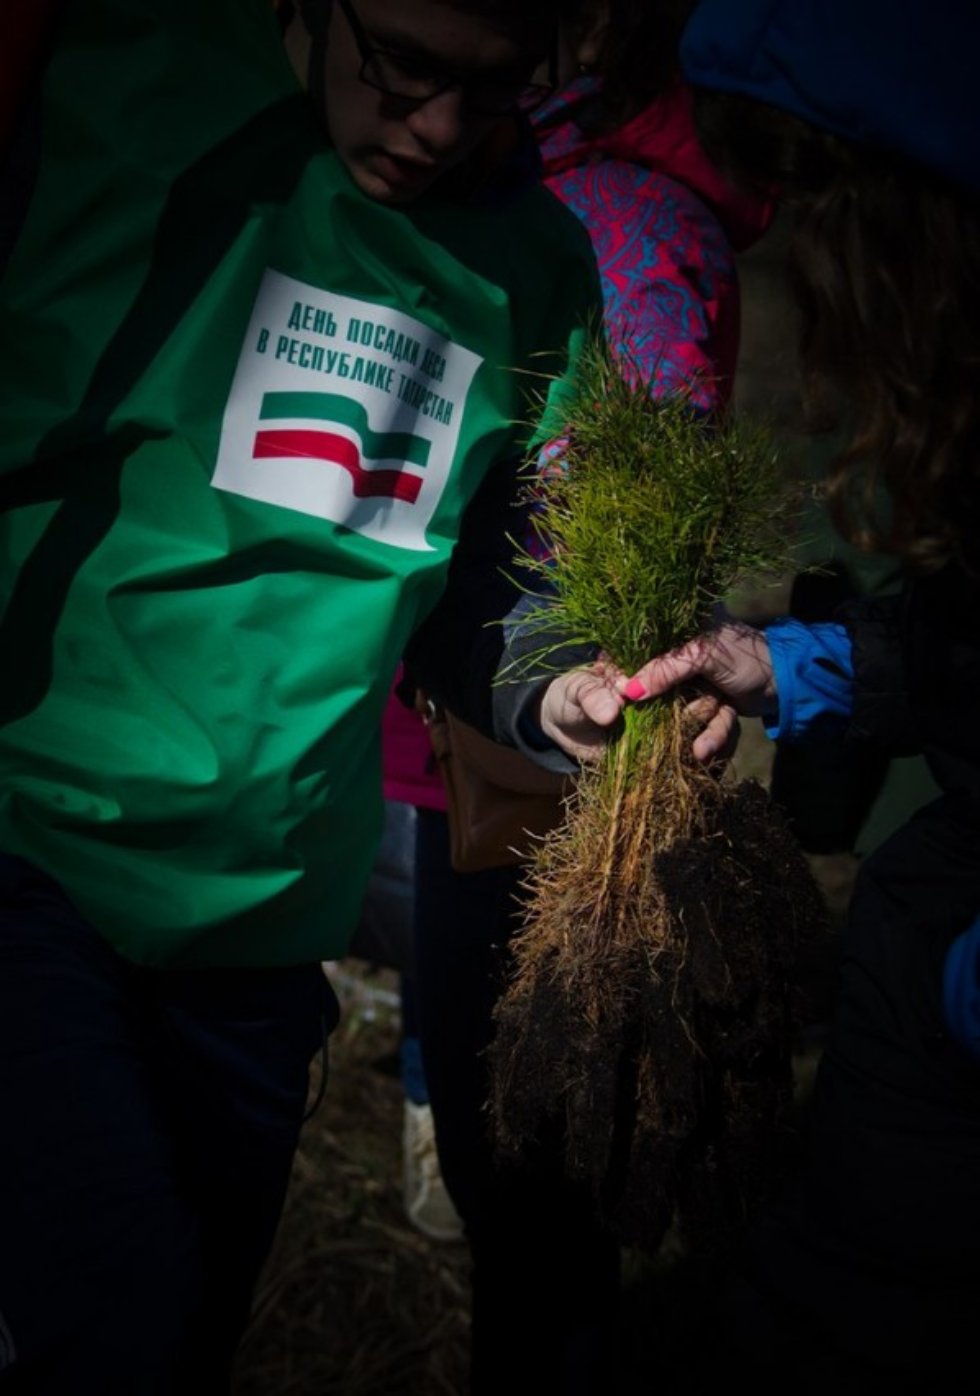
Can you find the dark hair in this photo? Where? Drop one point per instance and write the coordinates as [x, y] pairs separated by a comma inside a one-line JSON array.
[[505, 9], [639, 54], [516, 11], [884, 263]]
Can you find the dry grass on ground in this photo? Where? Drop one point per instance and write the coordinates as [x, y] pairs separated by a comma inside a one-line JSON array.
[[354, 1300]]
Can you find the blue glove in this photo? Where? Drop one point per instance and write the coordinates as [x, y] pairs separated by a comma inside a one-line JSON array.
[[961, 989]]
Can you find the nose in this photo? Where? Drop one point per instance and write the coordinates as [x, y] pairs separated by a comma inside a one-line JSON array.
[[441, 124]]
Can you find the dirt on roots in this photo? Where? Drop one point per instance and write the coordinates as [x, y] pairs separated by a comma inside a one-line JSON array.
[[650, 1012]]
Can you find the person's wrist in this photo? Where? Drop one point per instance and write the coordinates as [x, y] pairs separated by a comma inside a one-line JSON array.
[[531, 721], [769, 704]]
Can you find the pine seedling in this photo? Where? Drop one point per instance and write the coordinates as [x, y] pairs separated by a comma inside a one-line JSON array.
[[651, 973]]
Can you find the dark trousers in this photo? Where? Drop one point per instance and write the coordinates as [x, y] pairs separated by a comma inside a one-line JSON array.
[[149, 1123], [545, 1271]]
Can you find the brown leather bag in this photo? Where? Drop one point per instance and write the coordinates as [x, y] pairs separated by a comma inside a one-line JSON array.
[[499, 801]]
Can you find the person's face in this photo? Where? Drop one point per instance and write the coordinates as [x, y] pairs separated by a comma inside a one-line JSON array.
[[395, 147], [580, 40]]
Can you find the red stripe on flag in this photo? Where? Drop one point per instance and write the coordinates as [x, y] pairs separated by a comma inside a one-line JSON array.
[[328, 446]]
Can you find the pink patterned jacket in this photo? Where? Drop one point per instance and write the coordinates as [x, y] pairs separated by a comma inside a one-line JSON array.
[[665, 226]]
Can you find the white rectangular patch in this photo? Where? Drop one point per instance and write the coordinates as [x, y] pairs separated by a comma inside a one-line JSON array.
[[343, 409]]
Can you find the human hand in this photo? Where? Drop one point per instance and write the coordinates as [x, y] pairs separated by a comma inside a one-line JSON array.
[[579, 709], [735, 662]]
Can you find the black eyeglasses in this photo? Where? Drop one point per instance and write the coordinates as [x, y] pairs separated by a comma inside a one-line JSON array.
[[400, 75]]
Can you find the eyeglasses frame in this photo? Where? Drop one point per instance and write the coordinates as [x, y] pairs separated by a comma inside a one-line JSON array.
[[528, 95]]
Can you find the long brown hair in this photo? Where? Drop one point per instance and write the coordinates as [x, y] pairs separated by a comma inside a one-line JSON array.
[[885, 266]]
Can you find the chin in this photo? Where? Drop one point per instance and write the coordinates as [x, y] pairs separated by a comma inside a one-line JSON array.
[[384, 191]]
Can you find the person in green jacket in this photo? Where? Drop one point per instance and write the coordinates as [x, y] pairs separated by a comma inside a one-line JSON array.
[[260, 358]]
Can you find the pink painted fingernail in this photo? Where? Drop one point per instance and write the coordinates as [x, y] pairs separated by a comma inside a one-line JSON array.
[[634, 689]]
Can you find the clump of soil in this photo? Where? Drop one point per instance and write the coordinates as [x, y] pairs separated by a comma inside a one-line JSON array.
[[649, 1014]]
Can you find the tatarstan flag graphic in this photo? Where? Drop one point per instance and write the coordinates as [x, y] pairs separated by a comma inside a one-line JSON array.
[[370, 465]]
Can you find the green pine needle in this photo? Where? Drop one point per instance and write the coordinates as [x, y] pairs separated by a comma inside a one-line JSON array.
[[654, 517]]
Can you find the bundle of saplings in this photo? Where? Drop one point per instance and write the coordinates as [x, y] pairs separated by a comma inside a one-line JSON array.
[[648, 1021]]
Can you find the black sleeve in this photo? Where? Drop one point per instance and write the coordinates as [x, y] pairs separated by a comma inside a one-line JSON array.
[[882, 711], [532, 655], [456, 653], [472, 654]]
